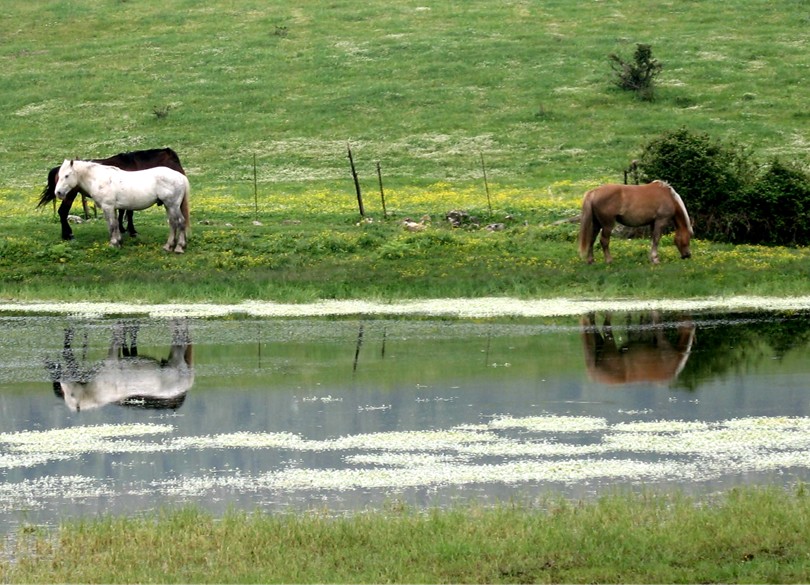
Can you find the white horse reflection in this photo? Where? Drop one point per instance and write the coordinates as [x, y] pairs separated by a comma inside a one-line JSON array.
[[646, 355], [124, 377]]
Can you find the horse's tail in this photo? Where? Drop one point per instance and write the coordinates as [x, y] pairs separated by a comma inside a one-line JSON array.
[[49, 192], [184, 208], [586, 224]]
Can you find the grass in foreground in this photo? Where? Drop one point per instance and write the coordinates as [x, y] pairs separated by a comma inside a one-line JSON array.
[[746, 535]]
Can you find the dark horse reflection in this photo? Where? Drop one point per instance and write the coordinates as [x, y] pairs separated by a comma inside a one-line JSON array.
[[646, 354], [124, 377]]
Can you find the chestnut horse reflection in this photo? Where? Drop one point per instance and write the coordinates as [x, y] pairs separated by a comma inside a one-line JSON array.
[[124, 377], [646, 355]]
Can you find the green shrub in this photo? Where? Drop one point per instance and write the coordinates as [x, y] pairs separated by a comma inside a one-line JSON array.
[[775, 209], [707, 174]]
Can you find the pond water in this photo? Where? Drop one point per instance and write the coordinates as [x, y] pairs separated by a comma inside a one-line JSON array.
[[345, 414]]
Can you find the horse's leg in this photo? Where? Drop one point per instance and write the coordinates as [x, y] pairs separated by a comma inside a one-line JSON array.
[[64, 211], [84, 207], [130, 228], [181, 233], [171, 243], [658, 228], [112, 224], [177, 230], [595, 233], [604, 241], [131, 224], [597, 227], [131, 347]]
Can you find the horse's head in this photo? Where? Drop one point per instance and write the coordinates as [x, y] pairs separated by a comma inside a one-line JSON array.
[[67, 179], [76, 396], [682, 238]]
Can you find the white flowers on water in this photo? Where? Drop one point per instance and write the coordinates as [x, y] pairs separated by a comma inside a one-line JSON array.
[[467, 308], [505, 450]]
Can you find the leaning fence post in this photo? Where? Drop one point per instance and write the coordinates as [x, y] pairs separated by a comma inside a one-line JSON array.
[[356, 181], [255, 190], [382, 193], [486, 184]]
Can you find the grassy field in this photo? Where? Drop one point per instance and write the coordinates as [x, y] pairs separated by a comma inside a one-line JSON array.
[[745, 536], [426, 90], [422, 88], [300, 254]]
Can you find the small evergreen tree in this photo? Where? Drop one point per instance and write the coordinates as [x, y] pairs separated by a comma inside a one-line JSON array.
[[638, 75]]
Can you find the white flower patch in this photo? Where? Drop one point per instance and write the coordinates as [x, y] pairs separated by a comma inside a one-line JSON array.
[[450, 439], [511, 448], [660, 426], [99, 438], [770, 422], [243, 440], [400, 459], [553, 424], [737, 438], [472, 308], [15, 460], [30, 493], [592, 450], [521, 471]]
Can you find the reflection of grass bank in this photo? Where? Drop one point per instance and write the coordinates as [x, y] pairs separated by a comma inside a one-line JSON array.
[[749, 535]]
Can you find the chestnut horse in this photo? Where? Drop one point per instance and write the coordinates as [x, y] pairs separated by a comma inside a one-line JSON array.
[[128, 161], [655, 204], [644, 355]]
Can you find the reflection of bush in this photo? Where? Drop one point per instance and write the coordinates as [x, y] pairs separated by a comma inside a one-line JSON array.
[[740, 343]]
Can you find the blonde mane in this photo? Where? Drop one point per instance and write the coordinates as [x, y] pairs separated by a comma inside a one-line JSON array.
[[680, 203]]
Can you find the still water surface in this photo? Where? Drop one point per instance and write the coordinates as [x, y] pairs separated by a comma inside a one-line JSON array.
[[126, 415]]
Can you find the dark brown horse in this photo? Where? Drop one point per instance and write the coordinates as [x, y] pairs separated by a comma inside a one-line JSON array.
[[127, 161], [655, 204], [645, 354]]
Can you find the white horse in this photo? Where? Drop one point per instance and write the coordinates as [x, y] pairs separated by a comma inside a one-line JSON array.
[[111, 188]]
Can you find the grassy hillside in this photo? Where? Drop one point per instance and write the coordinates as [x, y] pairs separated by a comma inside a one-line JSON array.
[[423, 87], [426, 89]]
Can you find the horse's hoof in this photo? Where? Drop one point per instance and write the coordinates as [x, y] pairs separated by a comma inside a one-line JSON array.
[[167, 247], [179, 250]]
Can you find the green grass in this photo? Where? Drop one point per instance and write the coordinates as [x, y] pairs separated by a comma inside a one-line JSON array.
[[298, 253], [422, 88], [746, 536]]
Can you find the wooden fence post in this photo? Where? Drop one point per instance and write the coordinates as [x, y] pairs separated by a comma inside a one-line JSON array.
[[356, 182], [382, 193]]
